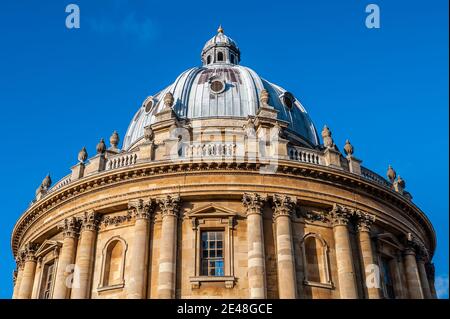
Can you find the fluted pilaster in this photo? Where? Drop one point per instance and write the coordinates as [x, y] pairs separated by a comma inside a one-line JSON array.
[[27, 280], [412, 274]]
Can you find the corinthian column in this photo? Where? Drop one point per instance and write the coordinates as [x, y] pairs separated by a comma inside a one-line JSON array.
[[26, 284], [255, 239], [70, 228], [421, 258], [345, 268], [284, 207], [84, 263], [170, 207], [18, 280], [141, 210], [412, 274], [364, 223]]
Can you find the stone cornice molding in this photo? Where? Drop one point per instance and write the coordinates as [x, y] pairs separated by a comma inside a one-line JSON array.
[[283, 205], [169, 205], [254, 202], [146, 170], [140, 208]]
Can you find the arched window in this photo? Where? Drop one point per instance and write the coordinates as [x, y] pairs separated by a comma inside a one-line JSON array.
[[232, 58], [112, 275], [220, 56], [315, 257], [208, 59]]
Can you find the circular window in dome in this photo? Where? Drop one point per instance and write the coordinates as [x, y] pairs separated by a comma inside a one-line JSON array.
[[288, 100], [217, 86], [148, 104]]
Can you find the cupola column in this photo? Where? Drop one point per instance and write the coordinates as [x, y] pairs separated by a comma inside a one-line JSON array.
[[70, 229], [85, 258], [27, 281], [345, 267], [137, 285], [364, 223], [284, 207], [412, 274], [255, 238], [170, 207]]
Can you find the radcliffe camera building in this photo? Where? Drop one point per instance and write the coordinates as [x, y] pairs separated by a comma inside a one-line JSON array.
[[223, 189]]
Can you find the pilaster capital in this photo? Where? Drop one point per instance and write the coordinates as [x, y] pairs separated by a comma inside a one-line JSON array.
[[364, 221], [169, 205], [19, 261], [415, 246], [28, 252], [70, 227], [90, 221], [283, 205], [253, 202], [340, 215], [140, 208]]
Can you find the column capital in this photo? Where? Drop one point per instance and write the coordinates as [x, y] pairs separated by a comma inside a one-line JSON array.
[[28, 252], [340, 215], [364, 221], [70, 227], [283, 205], [253, 202], [19, 261], [90, 221], [169, 205], [140, 208]]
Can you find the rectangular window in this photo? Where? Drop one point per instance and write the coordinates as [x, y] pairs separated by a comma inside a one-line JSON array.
[[212, 262], [387, 279], [47, 281]]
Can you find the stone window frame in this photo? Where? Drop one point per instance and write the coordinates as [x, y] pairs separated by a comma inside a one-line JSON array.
[[385, 244], [103, 285], [213, 218], [47, 253], [326, 263]]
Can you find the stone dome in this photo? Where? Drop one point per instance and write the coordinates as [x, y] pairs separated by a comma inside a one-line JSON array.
[[221, 88]]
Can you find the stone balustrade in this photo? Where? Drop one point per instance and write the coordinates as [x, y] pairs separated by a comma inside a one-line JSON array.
[[210, 150], [121, 160], [304, 155]]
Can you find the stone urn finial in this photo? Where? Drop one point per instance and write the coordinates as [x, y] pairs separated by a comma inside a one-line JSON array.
[[348, 148], [391, 174], [82, 155], [114, 140], [101, 147], [168, 100], [47, 182], [264, 97], [327, 139], [401, 182]]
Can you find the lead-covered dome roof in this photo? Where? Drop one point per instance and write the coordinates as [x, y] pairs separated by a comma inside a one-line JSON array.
[[221, 88]]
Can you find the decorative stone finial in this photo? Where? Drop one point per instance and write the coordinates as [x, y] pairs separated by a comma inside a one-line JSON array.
[[168, 100], [264, 97], [327, 139], [401, 182], [101, 147], [46, 182], [391, 174], [114, 140], [348, 148], [82, 155], [220, 29]]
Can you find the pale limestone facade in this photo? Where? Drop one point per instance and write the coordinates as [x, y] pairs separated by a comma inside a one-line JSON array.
[[296, 220]]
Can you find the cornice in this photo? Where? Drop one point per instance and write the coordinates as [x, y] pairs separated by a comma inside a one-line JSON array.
[[147, 170]]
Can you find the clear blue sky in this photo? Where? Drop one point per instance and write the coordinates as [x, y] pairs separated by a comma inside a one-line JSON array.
[[386, 89]]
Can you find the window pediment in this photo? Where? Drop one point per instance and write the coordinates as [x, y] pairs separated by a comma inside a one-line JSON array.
[[48, 246], [210, 211]]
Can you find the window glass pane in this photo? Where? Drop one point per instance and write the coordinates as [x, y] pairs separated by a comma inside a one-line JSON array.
[[219, 253]]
